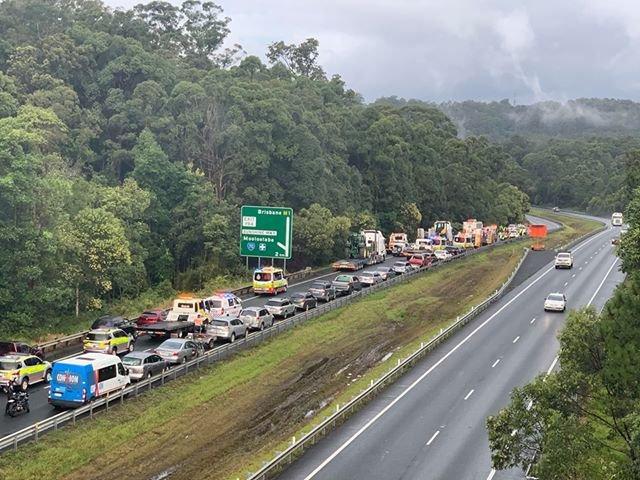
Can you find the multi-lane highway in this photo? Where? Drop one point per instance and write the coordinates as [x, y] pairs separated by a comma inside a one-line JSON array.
[[40, 409], [431, 423]]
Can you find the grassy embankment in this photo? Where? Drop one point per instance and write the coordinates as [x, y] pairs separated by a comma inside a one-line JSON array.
[[212, 422]]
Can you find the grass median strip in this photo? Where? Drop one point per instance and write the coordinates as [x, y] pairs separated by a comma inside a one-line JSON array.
[[223, 418]]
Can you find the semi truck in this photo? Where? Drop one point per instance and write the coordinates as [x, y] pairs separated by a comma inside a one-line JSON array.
[[364, 248]]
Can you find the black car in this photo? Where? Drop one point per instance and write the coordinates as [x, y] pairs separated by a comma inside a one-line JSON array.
[[304, 300], [323, 291], [115, 321]]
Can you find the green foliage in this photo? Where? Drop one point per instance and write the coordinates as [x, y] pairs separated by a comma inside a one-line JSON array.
[[583, 422], [130, 138]]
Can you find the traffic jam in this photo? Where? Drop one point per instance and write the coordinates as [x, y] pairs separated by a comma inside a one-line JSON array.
[[109, 361]]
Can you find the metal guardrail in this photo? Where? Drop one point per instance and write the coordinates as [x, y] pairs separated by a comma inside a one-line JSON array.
[[287, 456], [68, 341], [33, 432]]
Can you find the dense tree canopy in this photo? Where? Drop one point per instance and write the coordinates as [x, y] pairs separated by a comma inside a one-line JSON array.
[[129, 139]]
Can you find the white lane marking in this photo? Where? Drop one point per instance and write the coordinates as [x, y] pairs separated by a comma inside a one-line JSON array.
[[516, 339], [573, 276], [469, 394], [566, 283], [491, 474], [495, 363], [353, 437], [602, 282], [552, 366], [362, 429], [586, 262], [580, 268], [533, 320], [433, 437]]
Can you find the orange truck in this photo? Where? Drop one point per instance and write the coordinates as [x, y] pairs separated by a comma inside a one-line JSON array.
[[538, 233]]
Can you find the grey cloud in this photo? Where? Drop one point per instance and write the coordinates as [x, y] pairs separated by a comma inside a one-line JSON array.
[[454, 50]]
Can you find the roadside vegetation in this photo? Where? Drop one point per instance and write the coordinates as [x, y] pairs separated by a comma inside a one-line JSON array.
[[214, 422], [584, 422]]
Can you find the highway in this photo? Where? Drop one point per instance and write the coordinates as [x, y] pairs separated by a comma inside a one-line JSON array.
[[431, 423], [40, 408]]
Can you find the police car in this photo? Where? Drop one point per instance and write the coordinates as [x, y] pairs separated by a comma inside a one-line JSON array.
[[24, 368], [223, 305]]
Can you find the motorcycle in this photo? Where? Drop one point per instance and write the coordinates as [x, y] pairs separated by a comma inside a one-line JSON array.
[[17, 403]]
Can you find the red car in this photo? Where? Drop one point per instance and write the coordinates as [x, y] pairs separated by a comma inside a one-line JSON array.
[[149, 317], [420, 260]]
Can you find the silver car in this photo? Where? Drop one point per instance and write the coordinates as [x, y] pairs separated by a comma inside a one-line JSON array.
[[256, 318], [179, 350], [386, 272], [368, 279], [402, 267], [226, 328], [280, 307], [556, 302], [144, 364]]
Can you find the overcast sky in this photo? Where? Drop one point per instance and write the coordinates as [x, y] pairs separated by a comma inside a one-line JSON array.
[[438, 50]]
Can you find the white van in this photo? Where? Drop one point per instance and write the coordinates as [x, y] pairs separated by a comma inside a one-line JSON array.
[[78, 380], [188, 309]]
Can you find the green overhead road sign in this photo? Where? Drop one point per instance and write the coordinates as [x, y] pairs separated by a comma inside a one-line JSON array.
[[266, 232]]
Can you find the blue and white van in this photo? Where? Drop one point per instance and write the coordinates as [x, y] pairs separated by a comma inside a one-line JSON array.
[[80, 379]]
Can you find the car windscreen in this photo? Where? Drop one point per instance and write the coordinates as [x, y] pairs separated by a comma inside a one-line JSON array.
[[152, 314], [366, 274], [262, 277], [171, 345], [564, 255], [274, 303], [319, 286], [249, 313], [215, 303], [343, 278], [399, 264], [131, 361], [98, 337], [220, 323], [555, 298], [298, 296]]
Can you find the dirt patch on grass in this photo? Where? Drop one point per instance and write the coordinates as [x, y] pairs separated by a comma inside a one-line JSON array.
[[204, 427]]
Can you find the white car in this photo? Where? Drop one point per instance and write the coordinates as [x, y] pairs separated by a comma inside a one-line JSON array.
[[369, 278], [442, 255], [563, 260], [556, 302]]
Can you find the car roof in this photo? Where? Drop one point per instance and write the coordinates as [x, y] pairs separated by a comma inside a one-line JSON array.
[[97, 359], [173, 339], [105, 330], [253, 309], [16, 357], [222, 295], [268, 270], [139, 354]]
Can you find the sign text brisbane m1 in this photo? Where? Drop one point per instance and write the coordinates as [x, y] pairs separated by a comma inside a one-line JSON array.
[[266, 232]]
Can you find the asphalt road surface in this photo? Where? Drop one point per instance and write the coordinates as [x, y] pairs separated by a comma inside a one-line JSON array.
[[431, 423], [40, 408]]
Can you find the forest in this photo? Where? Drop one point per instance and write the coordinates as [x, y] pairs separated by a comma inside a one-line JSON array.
[[130, 138]]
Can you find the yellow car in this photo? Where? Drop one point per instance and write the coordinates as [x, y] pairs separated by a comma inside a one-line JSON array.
[[108, 340], [24, 368], [269, 280]]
